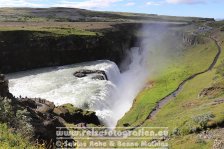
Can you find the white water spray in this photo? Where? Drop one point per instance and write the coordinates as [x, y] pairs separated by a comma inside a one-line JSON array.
[[110, 99], [57, 84]]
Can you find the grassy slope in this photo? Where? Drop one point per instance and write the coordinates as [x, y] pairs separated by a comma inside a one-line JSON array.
[[78, 15], [11, 140], [204, 105], [190, 142], [179, 113], [54, 30], [194, 60]]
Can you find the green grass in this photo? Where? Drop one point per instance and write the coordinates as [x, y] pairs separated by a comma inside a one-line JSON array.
[[217, 24], [184, 113], [195, 59], [54, 30], [11, 140], [180, 113], [190, 142]]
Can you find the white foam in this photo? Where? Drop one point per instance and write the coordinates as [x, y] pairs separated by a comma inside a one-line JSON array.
[[110, 99], [57, 84]]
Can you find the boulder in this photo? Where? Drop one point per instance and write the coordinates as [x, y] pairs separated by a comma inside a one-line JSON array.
[[43, 106], [100, 74], [75, 115], [211, 92], [45, 125], [79, 74], [42, 118], [26, 102], [61, 111], [98, 77]]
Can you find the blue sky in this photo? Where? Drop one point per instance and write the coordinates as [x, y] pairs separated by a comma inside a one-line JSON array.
[[202, 8]]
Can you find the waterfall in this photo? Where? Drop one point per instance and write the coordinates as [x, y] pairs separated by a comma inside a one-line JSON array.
[[131, 81], [57, 84], [110, 99]]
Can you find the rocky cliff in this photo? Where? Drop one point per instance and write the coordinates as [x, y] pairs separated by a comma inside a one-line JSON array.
[[22, 50], [190, 39]]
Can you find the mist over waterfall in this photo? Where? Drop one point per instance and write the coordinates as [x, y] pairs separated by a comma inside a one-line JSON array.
[[157, 44], [111, 98], [130, 83]]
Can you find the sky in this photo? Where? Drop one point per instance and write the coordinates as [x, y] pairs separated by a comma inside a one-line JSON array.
[[197, 8]]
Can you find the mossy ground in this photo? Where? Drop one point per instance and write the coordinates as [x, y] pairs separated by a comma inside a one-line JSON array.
[[190, 142], [11, 140], [187, 113], [194, 59], [182, 118]]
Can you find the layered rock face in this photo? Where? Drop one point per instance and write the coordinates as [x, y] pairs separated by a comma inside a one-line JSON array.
[[190, 39], [23, 50], [45, 117]]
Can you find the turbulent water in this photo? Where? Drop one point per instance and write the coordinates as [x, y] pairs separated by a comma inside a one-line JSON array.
[[57, 84], [110, 99]]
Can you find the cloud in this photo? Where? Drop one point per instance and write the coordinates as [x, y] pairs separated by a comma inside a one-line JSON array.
[[153, 3], [87, 4], [21, 3], [130, 4], [185, 1]]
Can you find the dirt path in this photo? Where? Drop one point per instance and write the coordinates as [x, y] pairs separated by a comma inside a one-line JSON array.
[[173, 94], [166, 99]]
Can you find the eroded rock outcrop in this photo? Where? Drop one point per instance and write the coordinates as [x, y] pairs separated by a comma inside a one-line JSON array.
[[190, 39], [215, 90], [75, 115], [98, 74], [45, 116], [211, 92]]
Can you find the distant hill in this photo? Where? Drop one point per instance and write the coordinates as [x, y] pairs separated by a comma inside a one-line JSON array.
[[60, 14]]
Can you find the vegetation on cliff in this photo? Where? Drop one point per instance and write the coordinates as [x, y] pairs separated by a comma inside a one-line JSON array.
[[199, 105], [194, 59]]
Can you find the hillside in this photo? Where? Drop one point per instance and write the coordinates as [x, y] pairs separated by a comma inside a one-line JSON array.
[[187, 96], [81, 15]]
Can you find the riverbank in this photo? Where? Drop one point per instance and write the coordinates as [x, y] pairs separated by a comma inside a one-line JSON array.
[[197, 111]]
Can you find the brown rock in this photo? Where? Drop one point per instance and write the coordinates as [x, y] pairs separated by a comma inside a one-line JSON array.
[[100, 74], [60, 111]]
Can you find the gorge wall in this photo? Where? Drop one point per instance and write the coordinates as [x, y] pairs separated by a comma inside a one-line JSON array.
[[23, 50]]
